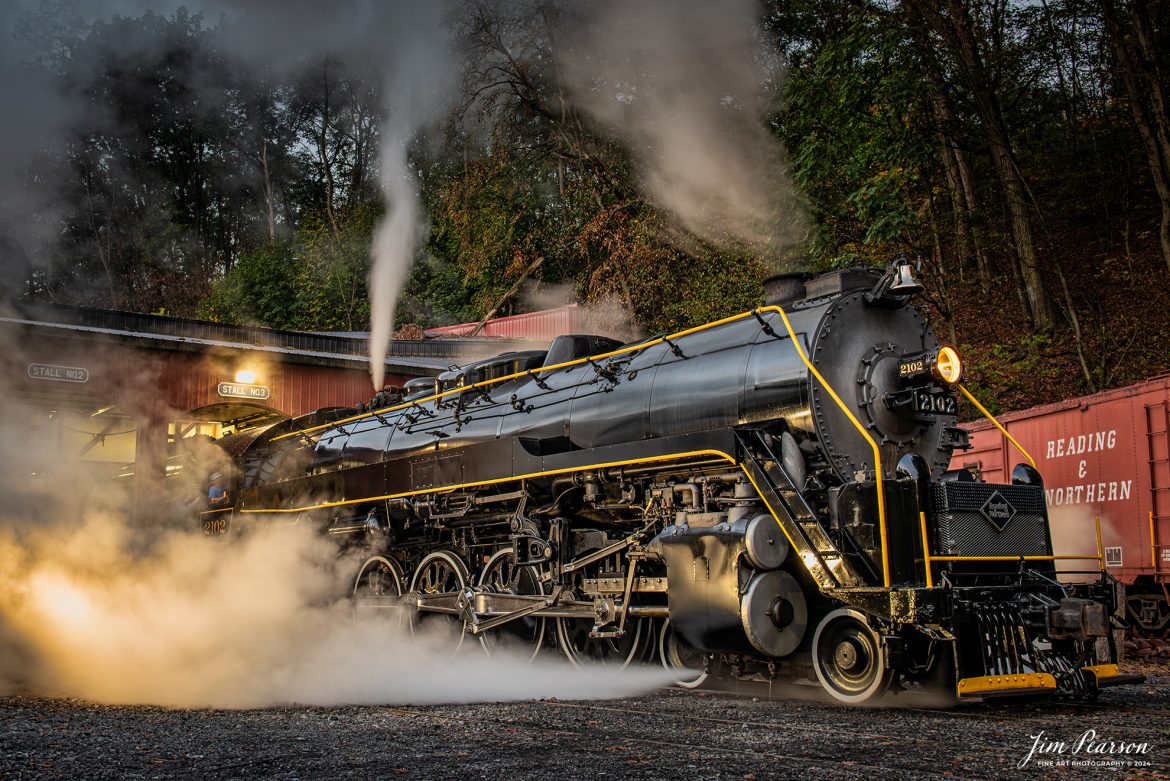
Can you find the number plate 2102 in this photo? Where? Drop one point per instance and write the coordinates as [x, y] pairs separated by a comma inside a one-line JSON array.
[[934, 403]]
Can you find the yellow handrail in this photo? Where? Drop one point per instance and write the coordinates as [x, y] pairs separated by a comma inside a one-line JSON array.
[[997, 424], [1153, 545], [1089, 557], [926, 559], [1100, 548], [881, 494], [877, 456], [528, 372]]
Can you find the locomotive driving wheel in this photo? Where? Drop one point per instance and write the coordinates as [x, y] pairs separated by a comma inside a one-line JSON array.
[[685, 663], [849, 659], [573, 636], [378, 581], [440, 572], [499, 576]]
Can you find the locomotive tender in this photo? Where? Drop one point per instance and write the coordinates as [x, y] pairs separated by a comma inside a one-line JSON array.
[[765, 496]]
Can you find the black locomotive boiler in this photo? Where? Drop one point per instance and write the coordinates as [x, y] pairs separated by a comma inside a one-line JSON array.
[[765, 496]]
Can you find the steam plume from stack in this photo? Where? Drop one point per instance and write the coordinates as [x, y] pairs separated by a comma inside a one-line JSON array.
[[417, 91], [685, 85]]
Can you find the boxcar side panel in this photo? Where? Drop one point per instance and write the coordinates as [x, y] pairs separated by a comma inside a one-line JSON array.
[[1104, 456]]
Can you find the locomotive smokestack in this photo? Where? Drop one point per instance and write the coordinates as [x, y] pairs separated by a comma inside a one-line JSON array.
[[782, 289]]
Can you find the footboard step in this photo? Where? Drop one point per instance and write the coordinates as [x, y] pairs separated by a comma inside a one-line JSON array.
[[1110, 675], [1006, 685]]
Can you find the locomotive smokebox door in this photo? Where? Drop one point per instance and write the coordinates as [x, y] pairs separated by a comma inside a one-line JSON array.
[[905, 410]]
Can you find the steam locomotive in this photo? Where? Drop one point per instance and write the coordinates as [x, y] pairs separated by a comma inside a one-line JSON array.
[[764, 497]]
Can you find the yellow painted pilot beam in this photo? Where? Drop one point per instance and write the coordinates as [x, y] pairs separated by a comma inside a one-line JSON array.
[[1091, 557], [1102, 671], [998, 684]]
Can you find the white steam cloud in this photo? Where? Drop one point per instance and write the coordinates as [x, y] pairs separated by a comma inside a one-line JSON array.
[[252, 623], [103, 601], [419, 80], [686, 85]]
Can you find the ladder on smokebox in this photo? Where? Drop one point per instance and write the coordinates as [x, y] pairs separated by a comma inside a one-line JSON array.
[[1158, 447], [797, 520]]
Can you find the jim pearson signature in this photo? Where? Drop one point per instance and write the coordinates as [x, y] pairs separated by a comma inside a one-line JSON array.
[[1089, 749]]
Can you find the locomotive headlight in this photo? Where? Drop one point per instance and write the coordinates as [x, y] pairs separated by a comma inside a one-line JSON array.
[[942, 364], [948, 367]]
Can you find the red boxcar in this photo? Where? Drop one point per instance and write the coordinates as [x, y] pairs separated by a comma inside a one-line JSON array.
[[544, 325], [1107, 457]]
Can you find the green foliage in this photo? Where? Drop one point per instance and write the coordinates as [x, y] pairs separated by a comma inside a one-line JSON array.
[[486, 219], [857, 142], [316, 280], [261, 289], [335, 270], [435, 294], [1001, 374]]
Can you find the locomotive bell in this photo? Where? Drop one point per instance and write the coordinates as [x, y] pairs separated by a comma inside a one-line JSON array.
[[904, 283], [895, 287]]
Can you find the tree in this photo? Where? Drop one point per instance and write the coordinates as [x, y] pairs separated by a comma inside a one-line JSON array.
[[970, 45], [1139, 45]]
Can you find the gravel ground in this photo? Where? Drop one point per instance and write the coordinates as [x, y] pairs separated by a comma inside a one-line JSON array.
[[663, 735]]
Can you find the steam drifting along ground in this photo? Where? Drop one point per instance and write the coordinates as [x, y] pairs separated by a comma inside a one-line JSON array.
[[118, 606], [257, 622]]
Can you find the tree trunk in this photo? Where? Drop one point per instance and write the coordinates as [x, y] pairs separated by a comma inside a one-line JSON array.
[[957, 29], [1137, 60], [270, 213], [323, 149], [956, 165], [967, 179], [527, 272], [962, 189]]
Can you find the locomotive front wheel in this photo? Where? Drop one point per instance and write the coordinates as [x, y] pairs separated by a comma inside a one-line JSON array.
[[683, 662], [500, 577], [849, 659], [379, 577], [441, 572]]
